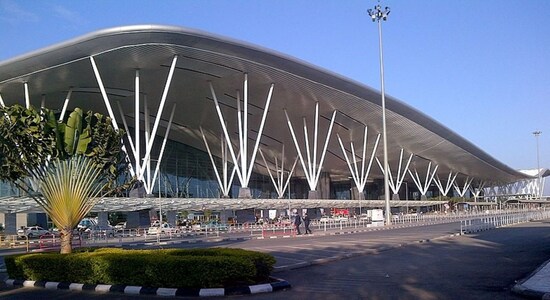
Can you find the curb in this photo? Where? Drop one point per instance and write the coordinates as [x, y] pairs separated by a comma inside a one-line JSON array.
[[531, 294], [520, 289], [278, 285]]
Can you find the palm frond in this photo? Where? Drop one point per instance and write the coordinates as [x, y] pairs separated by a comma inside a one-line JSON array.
[[69, 189]]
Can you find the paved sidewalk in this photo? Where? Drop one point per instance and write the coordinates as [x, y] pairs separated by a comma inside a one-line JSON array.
[[537, 284]]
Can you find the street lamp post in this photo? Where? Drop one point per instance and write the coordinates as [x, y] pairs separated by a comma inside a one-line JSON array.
[[289, 184], [378, 15], [539, 184]]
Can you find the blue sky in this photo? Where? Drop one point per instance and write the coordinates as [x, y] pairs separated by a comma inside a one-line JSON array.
[[481, 68]]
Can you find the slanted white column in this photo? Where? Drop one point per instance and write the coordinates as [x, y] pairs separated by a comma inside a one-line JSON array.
[[137, 133], [65, 104], [502, 189], [128, 133], [109, 109], [531, 188], [461, 190], [147, 169], [279, 183], [27, 97], [158, 116], [161, 154], [448, 185], [360, 175], [2, 101], [311, 168], [104, 93], [477, 190], [224, 181], [245, 165], [424, 186], [396, 185]]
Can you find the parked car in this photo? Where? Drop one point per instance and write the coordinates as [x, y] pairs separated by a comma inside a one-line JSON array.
[[105, 230], [120, 226], [86, 223], [214, 225], [165, 228], [33, 231]]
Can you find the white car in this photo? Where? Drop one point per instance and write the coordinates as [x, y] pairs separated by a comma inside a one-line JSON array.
[[108, 230], [33, 231], [120, 226], [165, 228]]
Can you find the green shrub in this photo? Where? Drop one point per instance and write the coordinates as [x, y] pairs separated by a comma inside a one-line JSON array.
[[197, 268]]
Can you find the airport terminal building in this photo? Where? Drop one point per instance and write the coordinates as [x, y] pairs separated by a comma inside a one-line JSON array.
[[215, 123]]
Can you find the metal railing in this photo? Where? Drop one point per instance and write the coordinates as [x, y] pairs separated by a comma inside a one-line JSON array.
[[470, 221], [494, 221]]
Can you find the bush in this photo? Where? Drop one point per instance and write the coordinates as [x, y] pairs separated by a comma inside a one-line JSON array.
[[191, 268]]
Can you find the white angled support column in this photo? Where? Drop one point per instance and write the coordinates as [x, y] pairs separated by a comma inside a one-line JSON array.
[[360, 175], [424, 186], [161, 154], [477, 190], [147, 162], [152, 137], [312, 169], [27, 97], [245, 165], [224, 181], [65, 104], [104, 93], [137, 133], [2, 101], [109, 109], [279, 183], [396, 185], [461, 190], [448, 185], [128, 134]]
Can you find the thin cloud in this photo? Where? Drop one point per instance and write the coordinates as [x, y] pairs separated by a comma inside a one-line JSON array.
[[71, 17], [12, 13]]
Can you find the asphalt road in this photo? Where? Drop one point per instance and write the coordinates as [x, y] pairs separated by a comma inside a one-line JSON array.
[[480, 266], [388, 264]]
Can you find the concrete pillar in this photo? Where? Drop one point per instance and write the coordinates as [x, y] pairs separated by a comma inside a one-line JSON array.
[[132, 219], [225, 215], [10, 227], [244, 193], [356, 195], [103, 218], [39, 219], [323, 186], [171, 217], [313, 195]]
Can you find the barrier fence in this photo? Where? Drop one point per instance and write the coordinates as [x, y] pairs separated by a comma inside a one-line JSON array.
[[469, 222], [494, 221]]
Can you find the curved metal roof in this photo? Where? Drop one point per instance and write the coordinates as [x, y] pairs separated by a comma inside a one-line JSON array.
[[204, 57]]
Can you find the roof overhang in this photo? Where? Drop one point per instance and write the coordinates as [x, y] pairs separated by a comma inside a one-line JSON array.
[[108, 204], [203, 58]]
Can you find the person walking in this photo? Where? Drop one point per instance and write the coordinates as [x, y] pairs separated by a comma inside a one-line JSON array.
[[297, 222], [307, 220]]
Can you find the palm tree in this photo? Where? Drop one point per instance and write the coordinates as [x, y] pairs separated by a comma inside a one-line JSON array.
[[69, 190]]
